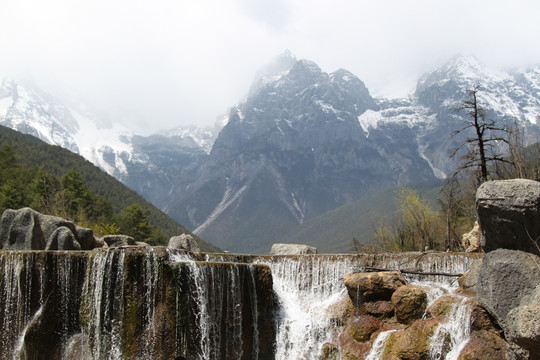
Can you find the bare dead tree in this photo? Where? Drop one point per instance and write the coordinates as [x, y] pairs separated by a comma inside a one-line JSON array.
[[483, 144]]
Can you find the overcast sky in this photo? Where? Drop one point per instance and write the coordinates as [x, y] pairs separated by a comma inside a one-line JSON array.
[[163, 63]]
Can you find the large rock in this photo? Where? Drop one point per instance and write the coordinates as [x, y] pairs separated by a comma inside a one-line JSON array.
[[372, 286], [292, 249], [508, 288], [509, 214], [118, 240], [467, 282], [410, 303], [411, 343], [184, 242], [523, 324], [486, 345], [26, 229]]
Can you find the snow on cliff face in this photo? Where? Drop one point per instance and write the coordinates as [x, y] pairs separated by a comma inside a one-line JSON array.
[[27, 109]]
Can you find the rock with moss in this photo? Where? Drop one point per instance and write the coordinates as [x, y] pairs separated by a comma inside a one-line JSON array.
[[409, 302], [442, 306], [412, 343], [329, 352]]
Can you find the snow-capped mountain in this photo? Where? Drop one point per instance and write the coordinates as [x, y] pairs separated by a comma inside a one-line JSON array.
[[302, 142], [305, 141], [131, 158]]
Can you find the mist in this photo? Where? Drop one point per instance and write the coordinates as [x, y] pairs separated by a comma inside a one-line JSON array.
[[156, 65]]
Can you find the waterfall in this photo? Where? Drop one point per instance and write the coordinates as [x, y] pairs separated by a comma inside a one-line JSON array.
[[225, 307], [143, 303], [102, 305], [452, 334], [306, 286]]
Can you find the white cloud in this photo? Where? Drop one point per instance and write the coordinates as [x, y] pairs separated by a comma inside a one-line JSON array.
[[165, 62]]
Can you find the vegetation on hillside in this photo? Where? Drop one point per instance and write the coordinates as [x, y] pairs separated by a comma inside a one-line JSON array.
[[55, 181]]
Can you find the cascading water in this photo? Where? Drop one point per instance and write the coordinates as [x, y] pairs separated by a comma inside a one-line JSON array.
[[150, 303], [306, 286], [225, 307], [102, 306]]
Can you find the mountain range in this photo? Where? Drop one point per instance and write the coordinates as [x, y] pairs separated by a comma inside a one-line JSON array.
[[303, 142]]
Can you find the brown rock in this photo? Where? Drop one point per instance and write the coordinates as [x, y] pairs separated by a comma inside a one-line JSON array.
[[409, 303], [372, 286], [441, 307], [485, 345], [342, 311], [361, 328], [411, 343], [481, 320], [379, 309]]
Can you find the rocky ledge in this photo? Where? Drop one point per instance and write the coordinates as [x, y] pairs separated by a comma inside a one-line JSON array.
[[501, 291]]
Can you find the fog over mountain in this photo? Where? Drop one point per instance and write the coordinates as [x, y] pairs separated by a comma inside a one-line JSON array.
[[157, 65]]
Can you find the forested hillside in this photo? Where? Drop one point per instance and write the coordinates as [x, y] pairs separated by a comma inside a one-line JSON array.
[[29, 158]]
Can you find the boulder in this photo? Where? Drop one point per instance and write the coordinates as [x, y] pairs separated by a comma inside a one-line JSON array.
[[411, 343], [372, 286], [523, 323], [379, 309], [26, 229], [486, 345], [509, 215], [471, 240], [506, 277], [467, 282], [184, 242], [442, 306], [509, 289], [410, 303], [118, 240], [361, 328], [292, 249]]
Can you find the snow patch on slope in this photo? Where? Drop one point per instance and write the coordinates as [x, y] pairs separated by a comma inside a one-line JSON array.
[[229, 197], [369, 120]]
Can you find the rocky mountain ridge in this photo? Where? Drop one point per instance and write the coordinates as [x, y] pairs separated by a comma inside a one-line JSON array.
[[303, 142]]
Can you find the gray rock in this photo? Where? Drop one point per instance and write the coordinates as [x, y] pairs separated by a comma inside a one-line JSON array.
[[509, 214], [467, 282], [118, 240], [509, 289], [523, 327], [184, 242], [62, 239], [292, 249], [27, 229], [506, 278]]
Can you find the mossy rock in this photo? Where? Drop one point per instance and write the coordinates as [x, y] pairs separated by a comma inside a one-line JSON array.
[[329, 352], [411, 343], [442, 307]]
